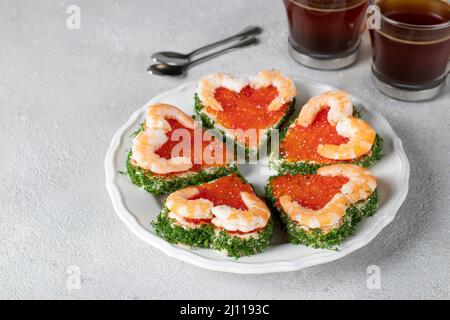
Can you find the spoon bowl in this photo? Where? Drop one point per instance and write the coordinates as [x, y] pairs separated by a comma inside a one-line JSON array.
[[172, 58], [162, 69]]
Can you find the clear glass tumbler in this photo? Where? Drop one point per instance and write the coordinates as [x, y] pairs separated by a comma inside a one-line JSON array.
[[411, 48], [325, 34]]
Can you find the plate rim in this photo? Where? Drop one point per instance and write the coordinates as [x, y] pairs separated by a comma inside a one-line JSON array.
[[235, 266]]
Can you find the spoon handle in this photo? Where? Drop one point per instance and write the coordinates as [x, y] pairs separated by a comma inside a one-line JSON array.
[[242, 44], [249, 31]]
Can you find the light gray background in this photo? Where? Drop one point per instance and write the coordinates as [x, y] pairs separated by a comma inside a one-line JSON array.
[[63, 94]]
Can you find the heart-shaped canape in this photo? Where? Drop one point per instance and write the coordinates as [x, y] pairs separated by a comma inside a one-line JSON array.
[[245, 110], [327, 131], [320, 210], [171, 151], [224, 214]]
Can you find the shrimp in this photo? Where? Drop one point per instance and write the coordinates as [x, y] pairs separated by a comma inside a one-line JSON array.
[[329, 216], [147, 142], [285, 86], [156, 115], [339, 102], [222, 216], [208, 85], [232, 219], [360, 186], [179, 204], [361, 135], [361, 182]]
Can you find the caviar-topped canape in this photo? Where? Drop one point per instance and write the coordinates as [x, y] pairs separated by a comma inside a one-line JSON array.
[[327, 131], [224, 214], [245, 110], [166, 155], [322, 209]]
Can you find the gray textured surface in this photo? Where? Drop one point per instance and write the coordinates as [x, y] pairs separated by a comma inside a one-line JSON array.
[[64, 93]]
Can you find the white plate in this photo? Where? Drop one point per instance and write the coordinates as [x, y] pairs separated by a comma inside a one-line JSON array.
[[136, 208]]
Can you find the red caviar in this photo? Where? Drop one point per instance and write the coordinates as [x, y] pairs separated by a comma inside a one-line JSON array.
[[300, 143], [310, 191], [165, 151], [247, 109], [241, 232], [197, 221], [225, 191]]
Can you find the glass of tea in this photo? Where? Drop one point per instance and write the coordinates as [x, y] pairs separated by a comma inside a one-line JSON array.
[[411, 48], [325, 34]]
